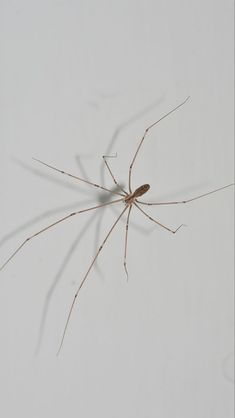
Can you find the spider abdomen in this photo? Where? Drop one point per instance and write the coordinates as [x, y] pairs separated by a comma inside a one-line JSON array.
[[141, 190]]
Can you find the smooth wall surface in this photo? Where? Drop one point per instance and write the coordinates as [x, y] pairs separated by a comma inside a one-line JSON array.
[[80, 79]]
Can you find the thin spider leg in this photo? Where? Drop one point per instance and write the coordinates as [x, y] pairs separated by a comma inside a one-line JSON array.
[[122, 126], [77, 178], [37, 218], [53, 224], [62, 182], [110, 171], [158, 223], [145, 133], [186, 201], [85, 277], [47, 301], [126, 238]]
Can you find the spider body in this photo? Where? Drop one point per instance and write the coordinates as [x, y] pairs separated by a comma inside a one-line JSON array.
[[130, 198]]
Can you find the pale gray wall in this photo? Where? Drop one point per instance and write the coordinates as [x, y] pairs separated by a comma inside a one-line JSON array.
[[84, 78]]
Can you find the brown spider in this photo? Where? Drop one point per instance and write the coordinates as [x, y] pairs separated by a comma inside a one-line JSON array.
[[129, 199]]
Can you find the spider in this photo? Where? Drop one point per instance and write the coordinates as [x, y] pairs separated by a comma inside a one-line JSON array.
[[129, 198]]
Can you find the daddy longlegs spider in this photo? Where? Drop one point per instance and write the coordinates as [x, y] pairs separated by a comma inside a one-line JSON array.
[[129, 199]]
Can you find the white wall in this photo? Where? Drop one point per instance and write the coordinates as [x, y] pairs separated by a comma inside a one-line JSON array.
[[84, 78]]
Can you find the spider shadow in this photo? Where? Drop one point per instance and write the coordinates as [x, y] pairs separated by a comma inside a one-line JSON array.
[[97, 217]]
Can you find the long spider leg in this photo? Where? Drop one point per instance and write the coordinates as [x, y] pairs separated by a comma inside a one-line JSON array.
[[146, 131], [61, 182], [77, 178], [158, 223], [123, 125], [188, 200], [53, 224], [126, 238], [37, 218], [85, 277], [57, 277], [110, 171]]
